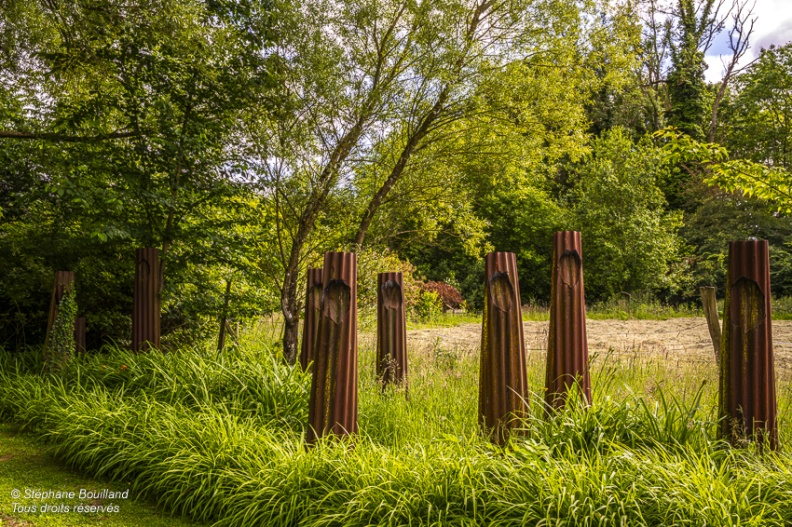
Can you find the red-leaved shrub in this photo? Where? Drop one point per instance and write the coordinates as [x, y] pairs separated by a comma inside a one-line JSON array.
[[449, 295]]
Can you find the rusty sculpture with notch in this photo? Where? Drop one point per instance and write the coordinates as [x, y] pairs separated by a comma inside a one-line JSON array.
[[64, 282], [391, 330], [747, 402], [313, 306], [503, 383], [567, 347], [333, 404], [146, 301]]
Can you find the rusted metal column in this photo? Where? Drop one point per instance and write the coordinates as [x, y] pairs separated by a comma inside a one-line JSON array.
[[503, 383], [146, 300], [391, 329], [79, 335], [64, 282], [313, 309], [567, 347], [333, 404], [747, 377]]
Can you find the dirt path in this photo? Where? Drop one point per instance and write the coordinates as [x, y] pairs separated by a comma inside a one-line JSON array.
[[679, 339]]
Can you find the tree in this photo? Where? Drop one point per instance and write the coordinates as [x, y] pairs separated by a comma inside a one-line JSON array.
[[758, 123], [375, 82], [629, 238], [739, 43], [125, 113]]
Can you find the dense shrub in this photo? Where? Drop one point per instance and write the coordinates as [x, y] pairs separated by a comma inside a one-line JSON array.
[[449, 295]]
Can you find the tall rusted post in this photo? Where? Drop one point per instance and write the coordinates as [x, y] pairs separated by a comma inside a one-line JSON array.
[[146, 300], [391, 329], [333, 404], [64, 282], [747, 378], [567, 347], [313, 309], [79, 335], [503, 383], [710, 304]]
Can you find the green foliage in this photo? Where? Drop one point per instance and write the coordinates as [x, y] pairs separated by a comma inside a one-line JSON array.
[[687, 90], [732, 175], [696, 21], [758, 116], [428, 308], [737, 212], [121, 119], [246, 138], [628, 238]]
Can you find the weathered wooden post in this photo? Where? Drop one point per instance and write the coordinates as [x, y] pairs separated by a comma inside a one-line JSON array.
[[747, 377], [64, 283], [503, 383], [391, 329], [313, 309], [333, 404], [710, 304], [146, 300], [567, 347]]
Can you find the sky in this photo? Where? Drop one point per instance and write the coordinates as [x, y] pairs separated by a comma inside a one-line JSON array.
[[773, 26]]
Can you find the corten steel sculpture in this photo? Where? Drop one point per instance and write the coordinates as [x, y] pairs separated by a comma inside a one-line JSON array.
[[747, 378], [391, 329], [79, 335], [146, 300], [567, 348], [64, 282], [503, 383], [313, 306], [333, 403]]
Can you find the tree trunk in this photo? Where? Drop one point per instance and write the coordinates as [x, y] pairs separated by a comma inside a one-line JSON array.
[[398, 169], [316, 201]]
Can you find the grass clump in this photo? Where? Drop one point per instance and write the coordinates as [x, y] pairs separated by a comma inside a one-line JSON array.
[[221, 438]]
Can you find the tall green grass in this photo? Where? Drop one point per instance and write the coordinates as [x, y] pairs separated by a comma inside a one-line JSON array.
[[220, 438]]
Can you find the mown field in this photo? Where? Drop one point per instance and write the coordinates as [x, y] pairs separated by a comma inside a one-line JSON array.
[[219, 438]]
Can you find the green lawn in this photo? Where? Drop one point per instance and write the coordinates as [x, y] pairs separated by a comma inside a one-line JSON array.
[[25, 464]]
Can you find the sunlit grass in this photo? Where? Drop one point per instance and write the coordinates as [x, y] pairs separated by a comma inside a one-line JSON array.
[[220, 438]]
